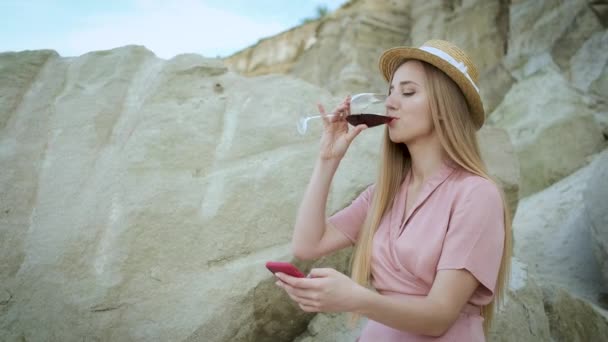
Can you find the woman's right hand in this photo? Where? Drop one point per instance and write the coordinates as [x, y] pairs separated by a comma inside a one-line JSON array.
[[337, 136]]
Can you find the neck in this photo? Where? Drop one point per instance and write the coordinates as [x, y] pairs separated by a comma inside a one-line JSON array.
[[427, 157]]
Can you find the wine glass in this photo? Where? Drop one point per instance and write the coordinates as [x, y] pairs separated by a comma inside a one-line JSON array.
[[365, 108]]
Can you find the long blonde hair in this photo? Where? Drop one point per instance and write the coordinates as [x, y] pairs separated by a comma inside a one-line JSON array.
[[457, 134]]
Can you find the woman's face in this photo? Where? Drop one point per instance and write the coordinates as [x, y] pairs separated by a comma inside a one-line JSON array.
[[408, 100]]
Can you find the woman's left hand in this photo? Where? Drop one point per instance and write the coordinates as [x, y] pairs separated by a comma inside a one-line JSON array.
[[325, 290]]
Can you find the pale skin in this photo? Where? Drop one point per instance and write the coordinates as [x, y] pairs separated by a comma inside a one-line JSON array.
[[327, 290]]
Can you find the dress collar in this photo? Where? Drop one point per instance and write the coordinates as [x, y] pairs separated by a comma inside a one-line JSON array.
[[428, 187]]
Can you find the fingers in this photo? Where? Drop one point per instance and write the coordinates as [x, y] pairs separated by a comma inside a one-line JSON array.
[[321, 109], [287, 279], [308, 299], [307, 304], [352, 134], [324, 116], [292, 293], [343, 110], [347, 105], [297, 293], [302, 283], [338, 114], [321, 272]]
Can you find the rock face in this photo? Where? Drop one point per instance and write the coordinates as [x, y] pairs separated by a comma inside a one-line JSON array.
[[497, 151], [131, 182], [18, 186], [552, 233], [140, 198], [573, 319], [557, 53], [540, 125], [331, 327], [549, 31], [522, 318], [339, 52]]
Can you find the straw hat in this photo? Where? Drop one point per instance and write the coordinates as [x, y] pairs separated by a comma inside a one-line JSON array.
[[448, 58]]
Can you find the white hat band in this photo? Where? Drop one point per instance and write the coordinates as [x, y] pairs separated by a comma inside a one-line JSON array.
[[446, 57]]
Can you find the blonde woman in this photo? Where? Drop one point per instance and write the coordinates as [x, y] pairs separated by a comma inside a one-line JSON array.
[[432, 235]]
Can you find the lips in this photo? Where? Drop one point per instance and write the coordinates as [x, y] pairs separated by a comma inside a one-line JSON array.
[[392, 122]]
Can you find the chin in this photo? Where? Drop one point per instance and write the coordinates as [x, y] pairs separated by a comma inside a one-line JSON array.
[[408, 134], [398, 137]]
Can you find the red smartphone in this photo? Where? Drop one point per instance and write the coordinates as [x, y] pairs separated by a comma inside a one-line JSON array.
[[284, 267]]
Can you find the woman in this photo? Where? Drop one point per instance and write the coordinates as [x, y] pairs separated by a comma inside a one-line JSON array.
[[432, 236]]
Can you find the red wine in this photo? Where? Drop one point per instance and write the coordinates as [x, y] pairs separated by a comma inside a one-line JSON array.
[[370, 120]]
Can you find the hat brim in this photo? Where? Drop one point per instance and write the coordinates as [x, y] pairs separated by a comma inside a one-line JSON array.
[[394, 57]]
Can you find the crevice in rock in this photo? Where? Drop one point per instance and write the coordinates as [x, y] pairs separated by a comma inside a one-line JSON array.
[[600, 8], [504, 23], [106, 307], [576, 33], [602, 299], [530, 327], [452, 5]]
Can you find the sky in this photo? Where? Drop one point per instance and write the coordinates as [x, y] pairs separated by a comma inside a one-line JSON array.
[[212, 28]]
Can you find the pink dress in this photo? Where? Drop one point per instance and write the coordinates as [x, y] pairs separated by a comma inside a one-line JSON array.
[[456, 223]]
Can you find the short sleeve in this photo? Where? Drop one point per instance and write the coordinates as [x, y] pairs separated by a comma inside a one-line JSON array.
[[475, 236], [350, 219]]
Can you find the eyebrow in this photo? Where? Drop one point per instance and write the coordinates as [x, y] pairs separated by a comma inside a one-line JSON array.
[[404, 83]]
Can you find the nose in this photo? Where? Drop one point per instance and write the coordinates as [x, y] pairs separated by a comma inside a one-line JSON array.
[[390, 103]]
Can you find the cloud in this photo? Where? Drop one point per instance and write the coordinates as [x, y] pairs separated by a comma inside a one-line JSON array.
[[168, 28]]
